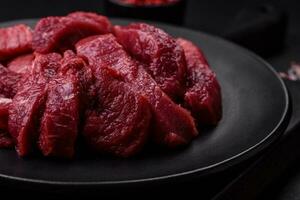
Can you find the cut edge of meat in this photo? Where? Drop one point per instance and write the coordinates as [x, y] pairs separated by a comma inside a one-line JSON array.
[[19, 42], [51, 31], [132, 74], [203, 95]]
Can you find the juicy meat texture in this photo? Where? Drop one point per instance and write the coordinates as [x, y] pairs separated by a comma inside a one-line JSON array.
[[15, 40], [119, 120], [47, 65], [60, 33], [73, 65], [28, 104], [21, 64], [25, 112], [161, 56], [203, 95], [8, 82], [173, 124], [67, 99], [59, 124], [4, 105], [5, 139]]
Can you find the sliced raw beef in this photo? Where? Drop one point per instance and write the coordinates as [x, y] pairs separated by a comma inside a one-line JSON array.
[[21, 64], [59, 124], [15, 40], [25, 113], [203, 95], [47, 65], [8, 82], [161, 56], [66, 101], [60, 33], [76, 66], [28, 104], [5, 139], [119, 120], [173, 124], [4, 105]]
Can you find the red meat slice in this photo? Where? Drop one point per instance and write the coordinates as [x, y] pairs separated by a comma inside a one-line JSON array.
[[5, 139], [76, 66], [28, 104], [173, 124], [4, 105], [8, 82], [47, 65], [22, 64], [203, 95], [66, 102], [60, 33], [162, 57], [14, 41], [59, 124], [25, 113], [119, 120]]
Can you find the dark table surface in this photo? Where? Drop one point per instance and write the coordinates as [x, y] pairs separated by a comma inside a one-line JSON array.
[[215, 16]]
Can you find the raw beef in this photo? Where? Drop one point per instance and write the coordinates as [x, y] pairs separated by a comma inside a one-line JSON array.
[[8, 82], [203, 95], [28, 104], [21, 64], [60, 33], [162, 57], [173, 124], [4, 105], [5, 139], [59, 124], [119, 120], [47, 65], [25, 112], [76, 66], [15, 40], [67, 99]]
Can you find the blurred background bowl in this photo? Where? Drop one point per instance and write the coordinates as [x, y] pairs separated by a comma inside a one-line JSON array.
[[166, 12]]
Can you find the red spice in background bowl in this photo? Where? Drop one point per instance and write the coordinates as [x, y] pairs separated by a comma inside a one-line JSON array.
[[149, 2], [169, 11]]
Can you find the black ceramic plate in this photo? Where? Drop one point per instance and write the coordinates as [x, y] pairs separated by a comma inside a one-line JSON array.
[[256, 111]]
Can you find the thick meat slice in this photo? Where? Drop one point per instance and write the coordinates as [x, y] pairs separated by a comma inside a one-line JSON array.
[[76, 66], [4, 105], [119, 120], [173, 125], [59, 124], [60, 33], [203, 95], [14, 41], [8, 82], [47, 65], [28, 104], [5, 139], [25, 113], [162, 57], [21, 64]]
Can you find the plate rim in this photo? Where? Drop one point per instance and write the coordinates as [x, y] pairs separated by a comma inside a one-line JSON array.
[[213, 168]]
